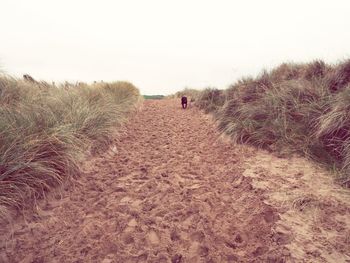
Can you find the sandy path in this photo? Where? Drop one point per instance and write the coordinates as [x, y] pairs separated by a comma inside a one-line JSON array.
[[171, 191]]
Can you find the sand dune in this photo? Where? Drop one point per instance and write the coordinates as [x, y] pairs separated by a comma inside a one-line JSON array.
[[171, 190]]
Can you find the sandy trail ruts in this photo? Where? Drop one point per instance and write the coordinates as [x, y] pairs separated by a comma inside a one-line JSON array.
[[170, 190]]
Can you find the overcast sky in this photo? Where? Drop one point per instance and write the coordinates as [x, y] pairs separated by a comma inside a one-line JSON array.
[[162, 46]]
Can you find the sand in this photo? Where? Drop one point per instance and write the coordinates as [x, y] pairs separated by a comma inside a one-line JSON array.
[[170, 189]]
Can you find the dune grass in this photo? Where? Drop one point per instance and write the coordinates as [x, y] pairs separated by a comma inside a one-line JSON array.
[[46, 130], [302, 108], [210, 100]]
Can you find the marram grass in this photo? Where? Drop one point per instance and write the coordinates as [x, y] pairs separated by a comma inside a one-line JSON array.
[[45, 130], [301, 108]]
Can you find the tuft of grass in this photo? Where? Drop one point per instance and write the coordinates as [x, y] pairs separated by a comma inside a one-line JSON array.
[[306, 202], [45, 131], [301, 108], [339, 77], [210, 99]]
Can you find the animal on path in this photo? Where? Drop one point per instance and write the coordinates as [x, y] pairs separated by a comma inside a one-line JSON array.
[[184, 102]]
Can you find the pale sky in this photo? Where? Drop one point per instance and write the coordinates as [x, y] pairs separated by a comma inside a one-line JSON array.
[[162, 46]]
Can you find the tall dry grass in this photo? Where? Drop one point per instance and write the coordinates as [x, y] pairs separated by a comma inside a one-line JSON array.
[[210, 99], [301, 108], [45, 130]]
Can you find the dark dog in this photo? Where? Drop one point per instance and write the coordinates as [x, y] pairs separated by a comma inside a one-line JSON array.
[[184, 102]]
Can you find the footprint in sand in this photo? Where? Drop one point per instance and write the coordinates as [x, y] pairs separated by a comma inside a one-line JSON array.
[[132, 223], [125, 200], [153, 237], [131, 226]]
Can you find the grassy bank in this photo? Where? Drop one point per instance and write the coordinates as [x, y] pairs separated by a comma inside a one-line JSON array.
[[45, 130], [303, 108]]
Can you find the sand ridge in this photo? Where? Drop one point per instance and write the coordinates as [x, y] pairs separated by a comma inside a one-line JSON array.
[[169, 190]]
